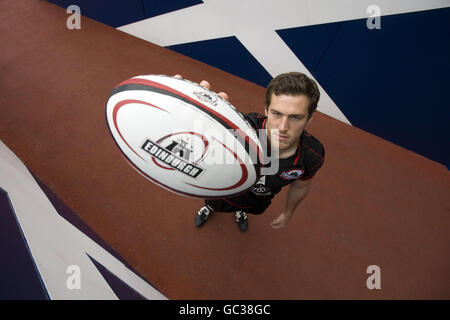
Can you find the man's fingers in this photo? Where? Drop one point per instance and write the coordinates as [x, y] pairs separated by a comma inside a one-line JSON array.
[[205, 84], [223, 95]]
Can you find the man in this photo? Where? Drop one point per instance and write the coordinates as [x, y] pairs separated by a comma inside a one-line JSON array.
[[291, 100]]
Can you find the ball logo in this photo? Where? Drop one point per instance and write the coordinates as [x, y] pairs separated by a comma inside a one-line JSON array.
[[292, 174], [184, 138], [205, 97], [181, 148], [175, 152]]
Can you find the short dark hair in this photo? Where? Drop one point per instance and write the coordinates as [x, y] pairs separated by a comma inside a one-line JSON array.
[[294, 84]]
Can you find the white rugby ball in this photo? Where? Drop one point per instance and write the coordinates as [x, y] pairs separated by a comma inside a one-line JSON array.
[[183, 137]]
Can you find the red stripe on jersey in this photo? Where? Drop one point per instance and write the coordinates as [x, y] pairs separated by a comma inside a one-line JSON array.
[[298, 156], [313, 150]]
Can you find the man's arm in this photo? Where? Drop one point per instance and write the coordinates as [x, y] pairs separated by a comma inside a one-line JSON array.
[[296, 193]]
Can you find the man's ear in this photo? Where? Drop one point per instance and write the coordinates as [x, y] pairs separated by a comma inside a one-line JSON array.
[[265, 111]]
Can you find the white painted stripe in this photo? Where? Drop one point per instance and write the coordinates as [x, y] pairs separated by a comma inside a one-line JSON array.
[[253, 22], [222, 18], [285, 61], [56, 244], [187, 25], [328, 11]]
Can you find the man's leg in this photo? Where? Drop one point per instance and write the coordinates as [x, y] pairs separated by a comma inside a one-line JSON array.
[[222, 205], [202, 215], [241, 220], [210, 207]]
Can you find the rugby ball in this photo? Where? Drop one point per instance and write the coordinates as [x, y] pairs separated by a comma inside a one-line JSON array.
[[183, 137]]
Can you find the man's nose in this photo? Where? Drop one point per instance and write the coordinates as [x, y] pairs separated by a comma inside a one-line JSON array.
[[283, 125]]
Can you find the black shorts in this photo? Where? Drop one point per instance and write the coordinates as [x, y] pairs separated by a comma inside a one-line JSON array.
[[224, 205]]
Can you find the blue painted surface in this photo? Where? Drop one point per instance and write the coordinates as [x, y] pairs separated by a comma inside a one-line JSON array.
[[116, 13], [155, 8], [311, 43], [391, 82], [227, 54], [120, 288], [69, 215], [19, 276]]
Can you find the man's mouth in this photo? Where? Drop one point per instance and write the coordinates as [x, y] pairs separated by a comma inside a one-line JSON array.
[[281, 137]]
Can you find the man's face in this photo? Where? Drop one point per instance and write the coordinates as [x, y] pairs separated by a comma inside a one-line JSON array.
[[288, 114]]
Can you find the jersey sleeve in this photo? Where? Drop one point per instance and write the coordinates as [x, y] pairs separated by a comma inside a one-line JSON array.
[[314, 162], [254, 119]]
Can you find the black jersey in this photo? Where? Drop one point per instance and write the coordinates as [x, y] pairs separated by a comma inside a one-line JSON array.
[[302, 165]]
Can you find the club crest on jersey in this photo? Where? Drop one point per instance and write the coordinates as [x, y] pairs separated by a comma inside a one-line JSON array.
[[292, 174], [261, 190]]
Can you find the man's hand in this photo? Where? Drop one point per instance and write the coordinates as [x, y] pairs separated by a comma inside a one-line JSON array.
[[296, 193], [280, 221], [207, 85]]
